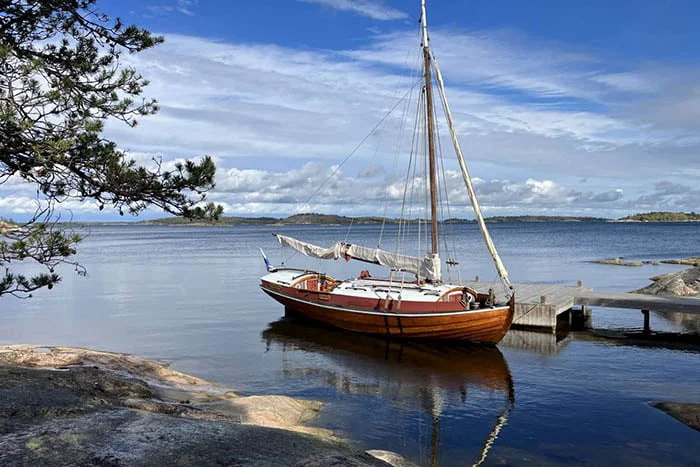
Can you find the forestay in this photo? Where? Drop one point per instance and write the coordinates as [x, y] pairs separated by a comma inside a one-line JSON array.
[[425, 268]]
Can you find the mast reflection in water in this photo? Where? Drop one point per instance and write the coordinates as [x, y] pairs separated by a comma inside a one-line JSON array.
[[421, 376]]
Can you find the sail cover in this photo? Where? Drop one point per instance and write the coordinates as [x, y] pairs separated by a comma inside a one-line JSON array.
[[425, 268]]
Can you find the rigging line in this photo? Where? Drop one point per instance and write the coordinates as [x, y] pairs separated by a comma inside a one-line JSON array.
[[359, 144], [403, 233], [416, 175], [426, 179], [494, 284], [402, 224], [443, 101], [447, 230], [347, 234], [290, 256], [412, 77], [444, 194], [396, 161], [534, 307], [451, 229], [413, 189], [410, 175], [470, 187], [412, 195]]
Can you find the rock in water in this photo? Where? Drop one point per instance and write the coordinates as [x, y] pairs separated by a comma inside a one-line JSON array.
[[392, 458], [686, 413], [680, 283]]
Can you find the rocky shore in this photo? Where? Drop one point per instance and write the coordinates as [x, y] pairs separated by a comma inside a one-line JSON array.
[[70, 406], [685, 283]]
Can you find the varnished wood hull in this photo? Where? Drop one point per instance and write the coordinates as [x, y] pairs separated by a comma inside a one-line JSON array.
[[443, 322]]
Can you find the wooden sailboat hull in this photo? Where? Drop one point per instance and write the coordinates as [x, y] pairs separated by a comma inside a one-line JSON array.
[[442, 322]]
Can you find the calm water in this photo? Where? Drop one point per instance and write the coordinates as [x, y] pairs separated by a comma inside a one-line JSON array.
[[189, 296]]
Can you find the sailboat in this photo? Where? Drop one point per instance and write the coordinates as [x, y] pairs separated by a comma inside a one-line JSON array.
[[422, 307]]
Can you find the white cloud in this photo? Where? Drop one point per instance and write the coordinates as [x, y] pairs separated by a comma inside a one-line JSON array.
[[628, 82], [371, 8], [668, 196], [25, 205], [256, 191], [372, 171], [178, 6], [534, 119], [235, 100], [15, 184]]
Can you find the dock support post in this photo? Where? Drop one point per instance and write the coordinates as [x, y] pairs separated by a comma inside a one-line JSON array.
[[580, 318], [647, 329]]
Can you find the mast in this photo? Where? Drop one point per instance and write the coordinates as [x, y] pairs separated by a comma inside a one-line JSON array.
[[431, 134]]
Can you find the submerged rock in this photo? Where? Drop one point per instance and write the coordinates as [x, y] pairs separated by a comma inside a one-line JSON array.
[[617, 262], [67, 406], [688, 414], [392, 458], [692, 261], [684, 283]]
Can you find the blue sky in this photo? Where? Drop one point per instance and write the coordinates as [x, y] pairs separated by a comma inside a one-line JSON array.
[[566, 108], [623, 29]]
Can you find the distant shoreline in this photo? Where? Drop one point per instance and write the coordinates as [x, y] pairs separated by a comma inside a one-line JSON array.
[[286, 221], [636, 221], [335, 220]]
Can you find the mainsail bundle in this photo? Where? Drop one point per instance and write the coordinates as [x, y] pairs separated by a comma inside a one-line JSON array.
[[425, 268]]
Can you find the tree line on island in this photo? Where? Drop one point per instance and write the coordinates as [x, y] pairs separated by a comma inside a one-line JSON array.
[[662, 216], [332, 219]]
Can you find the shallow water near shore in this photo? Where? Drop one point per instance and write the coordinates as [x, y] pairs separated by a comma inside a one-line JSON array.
[[190, 296]]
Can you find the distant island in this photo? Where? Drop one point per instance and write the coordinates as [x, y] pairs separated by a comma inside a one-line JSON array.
[[297, 219], [662, 216], [532, 219], [332, 219]]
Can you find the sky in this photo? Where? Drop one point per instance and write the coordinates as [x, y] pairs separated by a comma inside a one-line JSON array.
[[562, 108]]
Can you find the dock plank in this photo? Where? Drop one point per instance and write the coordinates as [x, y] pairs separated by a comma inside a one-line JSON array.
[[561, 298], [640, 302]]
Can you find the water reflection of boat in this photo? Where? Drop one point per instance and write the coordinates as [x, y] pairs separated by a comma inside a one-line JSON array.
[[424, 373]]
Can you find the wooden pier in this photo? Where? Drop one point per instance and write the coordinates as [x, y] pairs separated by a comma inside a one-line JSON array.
[[539, 305]]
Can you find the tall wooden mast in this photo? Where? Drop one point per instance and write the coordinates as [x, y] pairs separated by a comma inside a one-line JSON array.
[[431, 133]]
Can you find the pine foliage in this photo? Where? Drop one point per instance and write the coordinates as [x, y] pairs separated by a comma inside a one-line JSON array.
[[61, 78]]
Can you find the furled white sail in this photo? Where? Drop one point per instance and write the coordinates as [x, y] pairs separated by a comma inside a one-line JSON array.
[[309, 249], [425, 268]]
